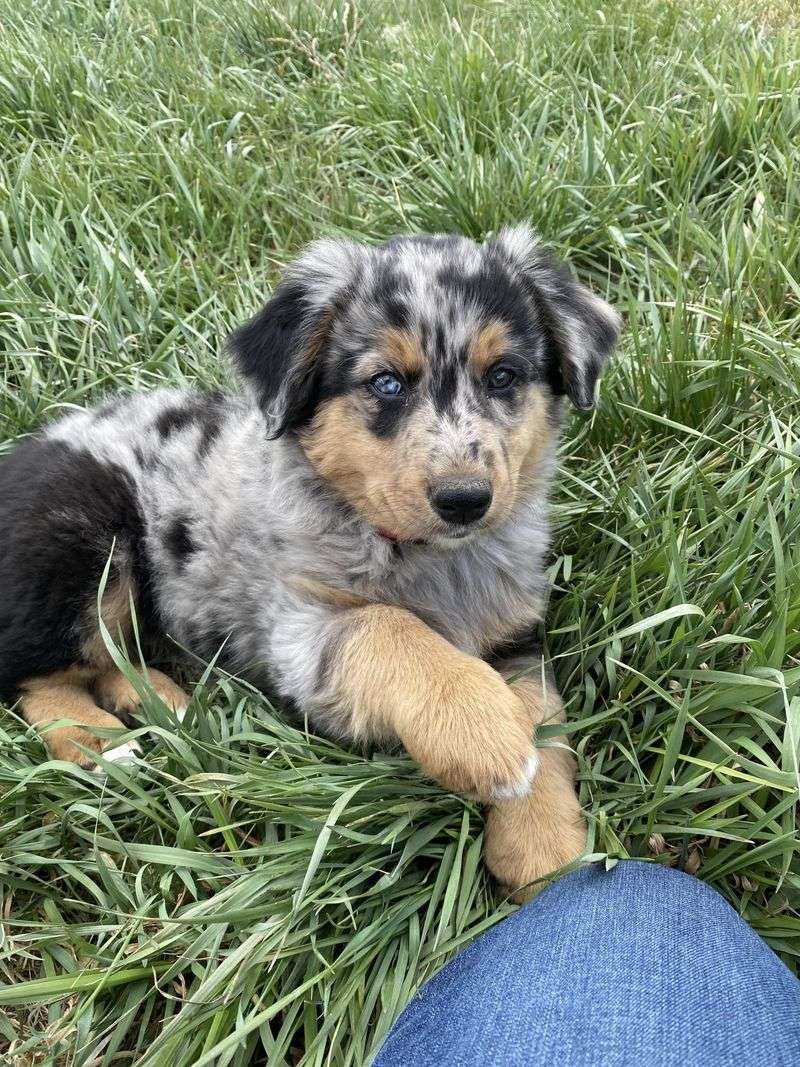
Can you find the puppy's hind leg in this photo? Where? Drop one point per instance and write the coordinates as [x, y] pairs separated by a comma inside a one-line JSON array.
[[115, 693], [66, 695]]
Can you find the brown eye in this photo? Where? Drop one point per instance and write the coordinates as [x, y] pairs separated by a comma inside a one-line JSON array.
[[499, 379]]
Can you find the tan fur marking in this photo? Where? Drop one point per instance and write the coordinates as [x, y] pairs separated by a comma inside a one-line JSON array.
[[64, 695], [454, 713], [403, 351], [530, 838], [115, 611], [326, 594], [487, 346], [534, 435], [383, 479]]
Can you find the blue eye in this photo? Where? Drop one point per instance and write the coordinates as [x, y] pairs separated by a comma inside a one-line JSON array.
[[387, 385], [500, 379]]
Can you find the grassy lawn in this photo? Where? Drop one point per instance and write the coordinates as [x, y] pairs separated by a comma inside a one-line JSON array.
[[256, 894]]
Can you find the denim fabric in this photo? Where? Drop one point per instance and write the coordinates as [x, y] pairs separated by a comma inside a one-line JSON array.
[[639, 966]]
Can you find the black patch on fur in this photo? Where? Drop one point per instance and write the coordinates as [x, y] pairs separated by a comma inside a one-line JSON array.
[[271, 351], [386, 296], [178, 540], [335, 378], [389, 415], [439, 342], [172, 419], [205, 411], [60, 512], [524, 644], [396, 313], [444, 387], [205, 639], [210, 415]]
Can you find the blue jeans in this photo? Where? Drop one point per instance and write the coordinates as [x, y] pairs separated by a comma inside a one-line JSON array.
[[640, 966]]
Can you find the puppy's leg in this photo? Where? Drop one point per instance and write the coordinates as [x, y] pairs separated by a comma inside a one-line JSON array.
[[388, 674], [115, 693], [65, 695], [534, 835]]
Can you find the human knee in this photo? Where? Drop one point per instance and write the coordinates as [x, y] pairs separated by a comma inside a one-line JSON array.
[[634, 889]]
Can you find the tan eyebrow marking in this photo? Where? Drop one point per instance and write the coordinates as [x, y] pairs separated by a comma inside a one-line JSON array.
[[403, 350], [488, 345]]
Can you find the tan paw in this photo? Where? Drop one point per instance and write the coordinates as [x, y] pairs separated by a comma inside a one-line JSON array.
[[475, 737], [114, 691], [67, 742], [528, 839]]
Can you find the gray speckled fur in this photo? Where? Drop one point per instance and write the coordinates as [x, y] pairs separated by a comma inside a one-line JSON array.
[[259, 516]]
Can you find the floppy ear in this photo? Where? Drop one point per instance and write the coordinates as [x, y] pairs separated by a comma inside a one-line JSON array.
[[583, 328], [278, 351]]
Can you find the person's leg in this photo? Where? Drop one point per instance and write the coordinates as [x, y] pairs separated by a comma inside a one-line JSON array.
[[640, 966]]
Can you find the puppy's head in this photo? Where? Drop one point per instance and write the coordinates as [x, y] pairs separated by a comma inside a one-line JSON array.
[[421, 376]]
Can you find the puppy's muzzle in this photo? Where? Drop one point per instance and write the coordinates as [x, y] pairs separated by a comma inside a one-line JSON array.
[[461, 501]]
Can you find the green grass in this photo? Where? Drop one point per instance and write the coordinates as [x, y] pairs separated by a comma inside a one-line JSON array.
[[257, 894]]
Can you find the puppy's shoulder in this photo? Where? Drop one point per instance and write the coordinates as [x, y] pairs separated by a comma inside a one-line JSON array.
[[152, 430]]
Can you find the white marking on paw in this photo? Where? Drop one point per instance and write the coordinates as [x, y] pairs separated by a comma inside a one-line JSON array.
[[522, 787], [127, 752], [180, 712]]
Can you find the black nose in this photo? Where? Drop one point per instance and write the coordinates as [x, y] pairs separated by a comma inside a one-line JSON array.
[[461, 501]]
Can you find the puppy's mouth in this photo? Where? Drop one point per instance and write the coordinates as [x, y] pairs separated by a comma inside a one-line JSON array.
[[456, 537], [457, 533], [450, 537], [396, 539]]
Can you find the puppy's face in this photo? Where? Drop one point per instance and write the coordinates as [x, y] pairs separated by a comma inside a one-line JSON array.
[[422, 377]]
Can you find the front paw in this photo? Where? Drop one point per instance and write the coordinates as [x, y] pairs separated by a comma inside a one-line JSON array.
[[476, 735], [530, 838]]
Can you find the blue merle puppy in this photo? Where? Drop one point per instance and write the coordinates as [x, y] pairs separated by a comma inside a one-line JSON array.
[[362, 532]]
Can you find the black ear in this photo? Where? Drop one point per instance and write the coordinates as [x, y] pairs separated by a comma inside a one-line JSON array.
[[582, 327], [278, 351]]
